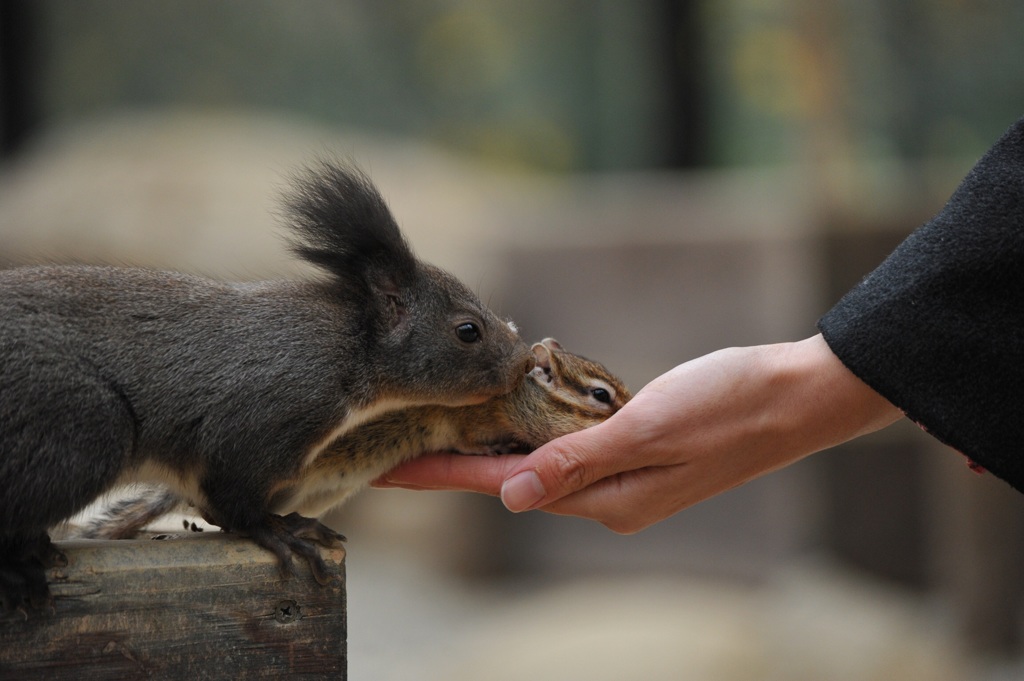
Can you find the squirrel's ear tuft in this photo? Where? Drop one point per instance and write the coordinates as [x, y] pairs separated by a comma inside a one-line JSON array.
[[340, 222]]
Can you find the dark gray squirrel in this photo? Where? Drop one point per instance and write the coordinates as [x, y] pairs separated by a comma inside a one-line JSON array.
[[222, 390]]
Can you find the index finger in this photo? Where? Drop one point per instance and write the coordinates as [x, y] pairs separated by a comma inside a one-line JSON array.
[[483, 474], [573, 462]]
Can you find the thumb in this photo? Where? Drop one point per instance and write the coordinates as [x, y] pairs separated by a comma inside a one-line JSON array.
[[559, 468]]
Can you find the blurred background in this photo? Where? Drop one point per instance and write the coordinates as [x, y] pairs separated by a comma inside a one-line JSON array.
[[646, 181]]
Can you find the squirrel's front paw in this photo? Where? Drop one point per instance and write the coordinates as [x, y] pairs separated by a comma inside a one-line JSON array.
[[296, 534]]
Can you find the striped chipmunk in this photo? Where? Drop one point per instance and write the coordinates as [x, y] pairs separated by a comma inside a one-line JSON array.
[[562, 394]]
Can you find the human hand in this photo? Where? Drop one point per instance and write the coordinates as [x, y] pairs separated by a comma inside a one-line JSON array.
[[706, 426]]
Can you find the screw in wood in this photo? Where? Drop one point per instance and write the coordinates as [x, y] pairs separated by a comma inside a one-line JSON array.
[[287, 611]]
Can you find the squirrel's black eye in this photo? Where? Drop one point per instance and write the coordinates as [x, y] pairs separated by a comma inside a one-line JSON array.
[[467, 333], [602, 395]]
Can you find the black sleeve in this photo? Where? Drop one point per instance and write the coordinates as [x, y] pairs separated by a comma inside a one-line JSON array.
[[938, 328]]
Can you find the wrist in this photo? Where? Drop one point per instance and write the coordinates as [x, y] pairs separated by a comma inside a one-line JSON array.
[[826, 403]]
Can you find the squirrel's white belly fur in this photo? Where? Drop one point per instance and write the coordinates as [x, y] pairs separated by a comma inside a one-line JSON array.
[[353, 419], [317, 492], [321, 492]]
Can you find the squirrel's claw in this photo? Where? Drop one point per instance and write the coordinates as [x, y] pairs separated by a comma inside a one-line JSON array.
[[297, 534]]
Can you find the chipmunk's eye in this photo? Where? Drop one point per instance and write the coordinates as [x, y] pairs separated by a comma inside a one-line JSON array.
[[601, 395], [468, 332]]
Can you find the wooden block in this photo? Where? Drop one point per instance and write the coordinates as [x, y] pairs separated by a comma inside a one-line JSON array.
[[202, 606]]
